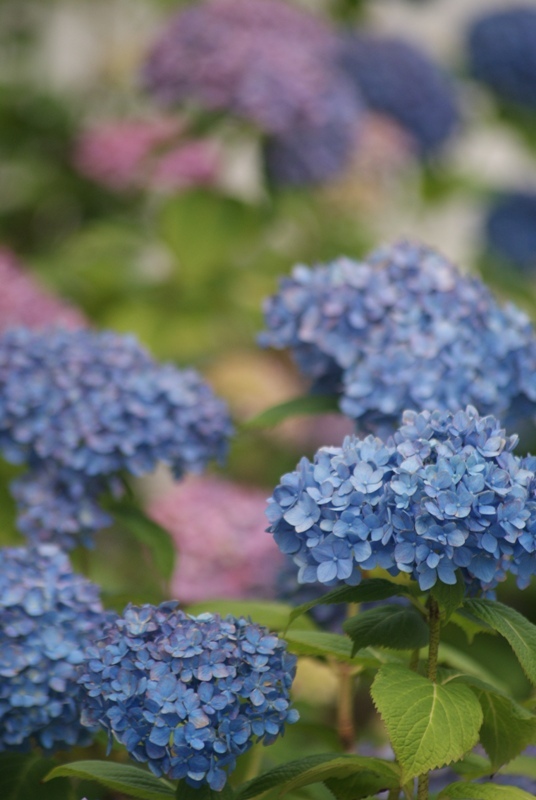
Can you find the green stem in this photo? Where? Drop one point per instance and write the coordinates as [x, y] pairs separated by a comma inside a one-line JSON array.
[[434, 622], [345, 708], [414, 660]]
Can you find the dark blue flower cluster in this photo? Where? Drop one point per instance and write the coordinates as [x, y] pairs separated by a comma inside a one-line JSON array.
[[78, 407], [48, 615], [396, 79], [404, 329], [188, 694], [510, 229], [502, 53], [444, 494]]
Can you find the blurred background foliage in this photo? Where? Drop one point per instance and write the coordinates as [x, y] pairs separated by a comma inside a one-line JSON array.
[[186, 266]]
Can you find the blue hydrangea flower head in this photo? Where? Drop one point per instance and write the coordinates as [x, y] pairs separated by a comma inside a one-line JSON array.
[[502, 53], [402, 329], [510, 229], [78, 407], [265, 61], [397, 79], [48, 615], [187, 695], [445, 493]]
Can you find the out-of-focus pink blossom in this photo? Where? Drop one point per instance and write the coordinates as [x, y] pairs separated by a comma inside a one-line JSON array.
[[23, 301], [194, 163], [145, 154], [219, 529], [116, 153]]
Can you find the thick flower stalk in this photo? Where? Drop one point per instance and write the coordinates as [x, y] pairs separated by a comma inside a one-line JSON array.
[[502, 53], [81, 407], [403, 329], [445, 494], [398, 80], [48, 615], [510, 229], [187, 695]]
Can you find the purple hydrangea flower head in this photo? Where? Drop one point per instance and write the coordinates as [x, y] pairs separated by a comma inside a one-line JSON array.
[[502, 53], [403, 329], [510, 229], [445, 493], [48, 615], [187, 695], [83, 406], [398, 80], [262, 60]]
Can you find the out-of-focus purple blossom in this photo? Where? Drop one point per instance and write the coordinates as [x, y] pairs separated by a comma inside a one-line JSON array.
[[187, 695], [265, 61], [398, 80], [510, 229], [445, 494], [48, 615], [153, 154], [502, 53], [23, 301], [81, 405], [315, 153], [403, 329], [219, 529]]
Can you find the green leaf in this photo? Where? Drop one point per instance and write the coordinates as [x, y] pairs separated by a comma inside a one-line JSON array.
[[271, 614], [448, 654], [507, 728], [470, 625], [516, 629], [319, 643], [281, 774], [369, 591], [522, 765], [429, 725], [21, 778], [149, 533], [119, 777], [298, 406], [483, 791], [449, 597], [381, 774], [397, 627]]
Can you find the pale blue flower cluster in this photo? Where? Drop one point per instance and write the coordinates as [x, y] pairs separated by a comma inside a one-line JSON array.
[[79, 407], [502, 53], [188, 694], [48, 615], [398, 80], [444, 494], [403, 329], [510, 229]]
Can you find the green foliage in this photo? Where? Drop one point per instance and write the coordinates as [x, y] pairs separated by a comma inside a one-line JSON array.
[[281, 774], [449, 597], [392, 626], [319, 643], [21, 778], [129, 780], [369, 591], [148, 533], [507, 727], [185, 792], [272, 614], [429, 725], [482, 791], [306, 404], [363, 775], [516, 629]]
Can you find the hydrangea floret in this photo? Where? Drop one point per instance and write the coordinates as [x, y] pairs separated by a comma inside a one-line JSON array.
[[403, 329], [48, 615], [445, 493], [80, 407], [185, 694]]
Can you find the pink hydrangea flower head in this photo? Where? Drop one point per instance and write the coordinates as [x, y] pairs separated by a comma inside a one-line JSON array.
[[219, 529], [193, 163], [23, 301], [117, 153]]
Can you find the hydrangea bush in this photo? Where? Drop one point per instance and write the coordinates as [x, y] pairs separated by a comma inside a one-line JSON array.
[[431, 517]]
